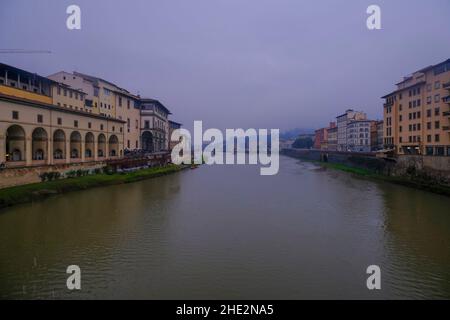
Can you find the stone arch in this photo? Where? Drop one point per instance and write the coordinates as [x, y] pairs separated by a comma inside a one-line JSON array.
[[101, 141], [39, 144], [89, 145], [59, 145], [15, 143], [113, 146], [147, 142], [75, 145]]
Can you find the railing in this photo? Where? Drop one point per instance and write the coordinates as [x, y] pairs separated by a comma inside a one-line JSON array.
[[446, 99], [446, 85]]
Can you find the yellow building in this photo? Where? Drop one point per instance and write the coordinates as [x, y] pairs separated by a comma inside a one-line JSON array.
[[109, 100], [416, 115], [41, 124]]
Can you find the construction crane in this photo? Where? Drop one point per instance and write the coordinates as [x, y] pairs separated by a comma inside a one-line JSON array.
[[24, 51]]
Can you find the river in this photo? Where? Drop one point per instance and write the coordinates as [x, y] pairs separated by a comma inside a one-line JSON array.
[[225, 232]]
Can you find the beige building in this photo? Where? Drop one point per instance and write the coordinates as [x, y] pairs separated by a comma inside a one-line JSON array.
[[416, 115], [44, 122], [109, 100], [74, 118]]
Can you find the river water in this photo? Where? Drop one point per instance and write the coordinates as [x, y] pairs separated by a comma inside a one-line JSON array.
[[225, 232]]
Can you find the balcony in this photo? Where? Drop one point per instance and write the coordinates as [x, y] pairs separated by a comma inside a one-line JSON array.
[[446, 113], [446, 85]]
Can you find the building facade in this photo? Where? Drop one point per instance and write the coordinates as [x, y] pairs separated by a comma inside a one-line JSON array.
[[332, 138], [172, 127], [417, 113], [72, 118], [320, 138], [154, 125], [342, 122], [359, 136]]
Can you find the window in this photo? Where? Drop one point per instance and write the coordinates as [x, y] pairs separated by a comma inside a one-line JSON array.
[[128, 104], [400, 128], [429, 99], [65, 93], [75, 123], [429, 113], [59, 91], [437, 97], [59, 121], [437, 85], [436, 125], [89, 125], [15, 115], [400, 118], [418, 127], [120, 101], [113, 129], [40, 118], [429, 125], [429, 150], [95, 92], [436, 138], [71, 94], [429, 87], [418, 114], [76, 95], [128, 144], [436, 111], [439, 151], [429, 138], [101, 127]]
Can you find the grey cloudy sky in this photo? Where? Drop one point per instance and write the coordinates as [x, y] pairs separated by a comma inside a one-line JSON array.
[[236, 63]]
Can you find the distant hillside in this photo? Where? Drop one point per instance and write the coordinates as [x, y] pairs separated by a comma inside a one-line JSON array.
[[294, 133]]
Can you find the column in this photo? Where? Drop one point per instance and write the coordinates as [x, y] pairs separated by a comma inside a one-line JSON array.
[[83, 150], [68, 151], [50, 149], [2, 148], [107, 147], [28, 150], [95, 151]]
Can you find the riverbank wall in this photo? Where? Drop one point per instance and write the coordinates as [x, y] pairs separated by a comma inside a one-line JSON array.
[[38, 191], [430, 172]]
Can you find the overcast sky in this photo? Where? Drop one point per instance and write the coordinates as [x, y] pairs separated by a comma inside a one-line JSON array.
[[236, 63]]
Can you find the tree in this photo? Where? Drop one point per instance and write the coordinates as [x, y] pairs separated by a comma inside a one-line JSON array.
[[303, 143]]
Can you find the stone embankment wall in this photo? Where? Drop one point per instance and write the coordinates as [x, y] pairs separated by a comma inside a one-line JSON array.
[[425, 168], [18, 176]]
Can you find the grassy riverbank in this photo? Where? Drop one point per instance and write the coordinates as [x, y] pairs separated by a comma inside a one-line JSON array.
[[408, 181], [32, 192]]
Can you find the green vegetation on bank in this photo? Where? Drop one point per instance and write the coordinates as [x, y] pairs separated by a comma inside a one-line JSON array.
[[32, 192], [408, 181]]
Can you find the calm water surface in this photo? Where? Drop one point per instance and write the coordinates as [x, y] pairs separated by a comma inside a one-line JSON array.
[[227, 232]]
